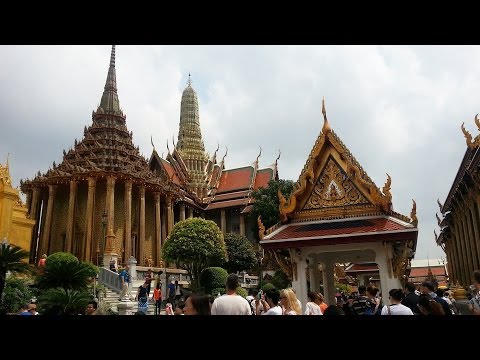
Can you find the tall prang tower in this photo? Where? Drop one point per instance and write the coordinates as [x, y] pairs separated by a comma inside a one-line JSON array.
[[190, 143]]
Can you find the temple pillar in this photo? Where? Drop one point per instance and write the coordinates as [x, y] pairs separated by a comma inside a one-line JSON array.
[[473, 234], [110, 203], [457, 252], [34, 214], [169, 214], [328, 272], [163, 220], [223, 222], [141, 240], [314, 272], [182, 211], [48, 220], [92, 182], [128, 220], [242, 224], [190, 212], [70, 216], [461, 254], [468, 255], [158, 232], [28, 200]]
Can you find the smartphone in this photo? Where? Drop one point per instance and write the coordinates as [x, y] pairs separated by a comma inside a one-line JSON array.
[[260, 295]]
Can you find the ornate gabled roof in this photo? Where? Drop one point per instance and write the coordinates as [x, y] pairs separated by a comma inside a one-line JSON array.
[[333, 185]]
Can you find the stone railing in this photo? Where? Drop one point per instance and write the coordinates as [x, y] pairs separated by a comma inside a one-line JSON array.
[[110, 279]]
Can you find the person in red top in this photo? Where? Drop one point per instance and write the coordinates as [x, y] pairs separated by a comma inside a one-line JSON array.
[[157, 296], [41, 264]]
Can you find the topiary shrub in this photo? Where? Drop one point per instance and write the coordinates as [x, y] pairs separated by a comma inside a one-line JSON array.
[[16, 294], [241, 291], [212, 278], [217, 291], [267, 287], [241, 253], [62, 258]]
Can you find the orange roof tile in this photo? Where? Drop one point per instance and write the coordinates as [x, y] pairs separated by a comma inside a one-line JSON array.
[[263, 177], [235, 179], [231, 195], [170, 171], [356, 226], [225, 204], [423, 271]]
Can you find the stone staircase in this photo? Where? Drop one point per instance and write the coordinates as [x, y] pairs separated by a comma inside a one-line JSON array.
[[111, 299]]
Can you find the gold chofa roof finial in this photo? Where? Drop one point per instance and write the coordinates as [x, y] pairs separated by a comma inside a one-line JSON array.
[[326, 126], [189, 82]]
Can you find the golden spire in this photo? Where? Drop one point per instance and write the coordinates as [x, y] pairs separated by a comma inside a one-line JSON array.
[[326, 126]]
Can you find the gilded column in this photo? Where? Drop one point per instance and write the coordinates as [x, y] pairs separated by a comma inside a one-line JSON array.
[[141, 240], [223, 222], [71, 216], [242, 224], [158, 231], [462, 258], [163, 222], [182, 211], [128, 220], [110, 203], [48, 221], [456, 252], [34, 214], [92, 183], [473, 232], [169, 214], [469, 268]]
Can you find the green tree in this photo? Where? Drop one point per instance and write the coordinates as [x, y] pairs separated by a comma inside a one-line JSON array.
[[61, 301], [16, 293], [241, 253], [213, 278], [280, 280], [11, 259], [266, 203], [64, 270], [195, 244]]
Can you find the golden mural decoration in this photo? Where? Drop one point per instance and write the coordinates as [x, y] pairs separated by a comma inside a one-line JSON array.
[[402, 255], [284, 261], [334, 188], [5, 175]]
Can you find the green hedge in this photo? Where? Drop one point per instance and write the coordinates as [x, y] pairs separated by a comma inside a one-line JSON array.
[[62, 258], [217, 291], [267, 287], [213, 278], [241, 291]]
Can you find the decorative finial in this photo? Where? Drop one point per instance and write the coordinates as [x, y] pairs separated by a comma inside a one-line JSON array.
[[413, 214], [151, 141], [436, 236], [439, 204], [173, 140], [326, 126], [112, 57], [278, 157], [438, 219], [259, 154], [168, 147], [468, 137], [189, 82], [226, 152], [8, 157], [477, 122]]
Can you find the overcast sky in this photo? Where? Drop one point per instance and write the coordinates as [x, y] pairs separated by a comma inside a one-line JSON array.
[[397, 108]]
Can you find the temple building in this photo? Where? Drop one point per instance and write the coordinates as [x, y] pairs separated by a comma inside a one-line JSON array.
[[105, 201], [336, 214], [459, 221], [15, 226]]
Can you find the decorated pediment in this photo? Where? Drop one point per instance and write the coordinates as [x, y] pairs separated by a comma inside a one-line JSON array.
[[334, 188], [332, 184]]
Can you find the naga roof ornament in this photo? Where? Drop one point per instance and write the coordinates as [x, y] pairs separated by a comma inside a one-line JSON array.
[[472, 143]]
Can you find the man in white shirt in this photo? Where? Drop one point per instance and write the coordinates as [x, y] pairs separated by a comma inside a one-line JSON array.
[[231, 303], [272, 297], [397, 308]]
